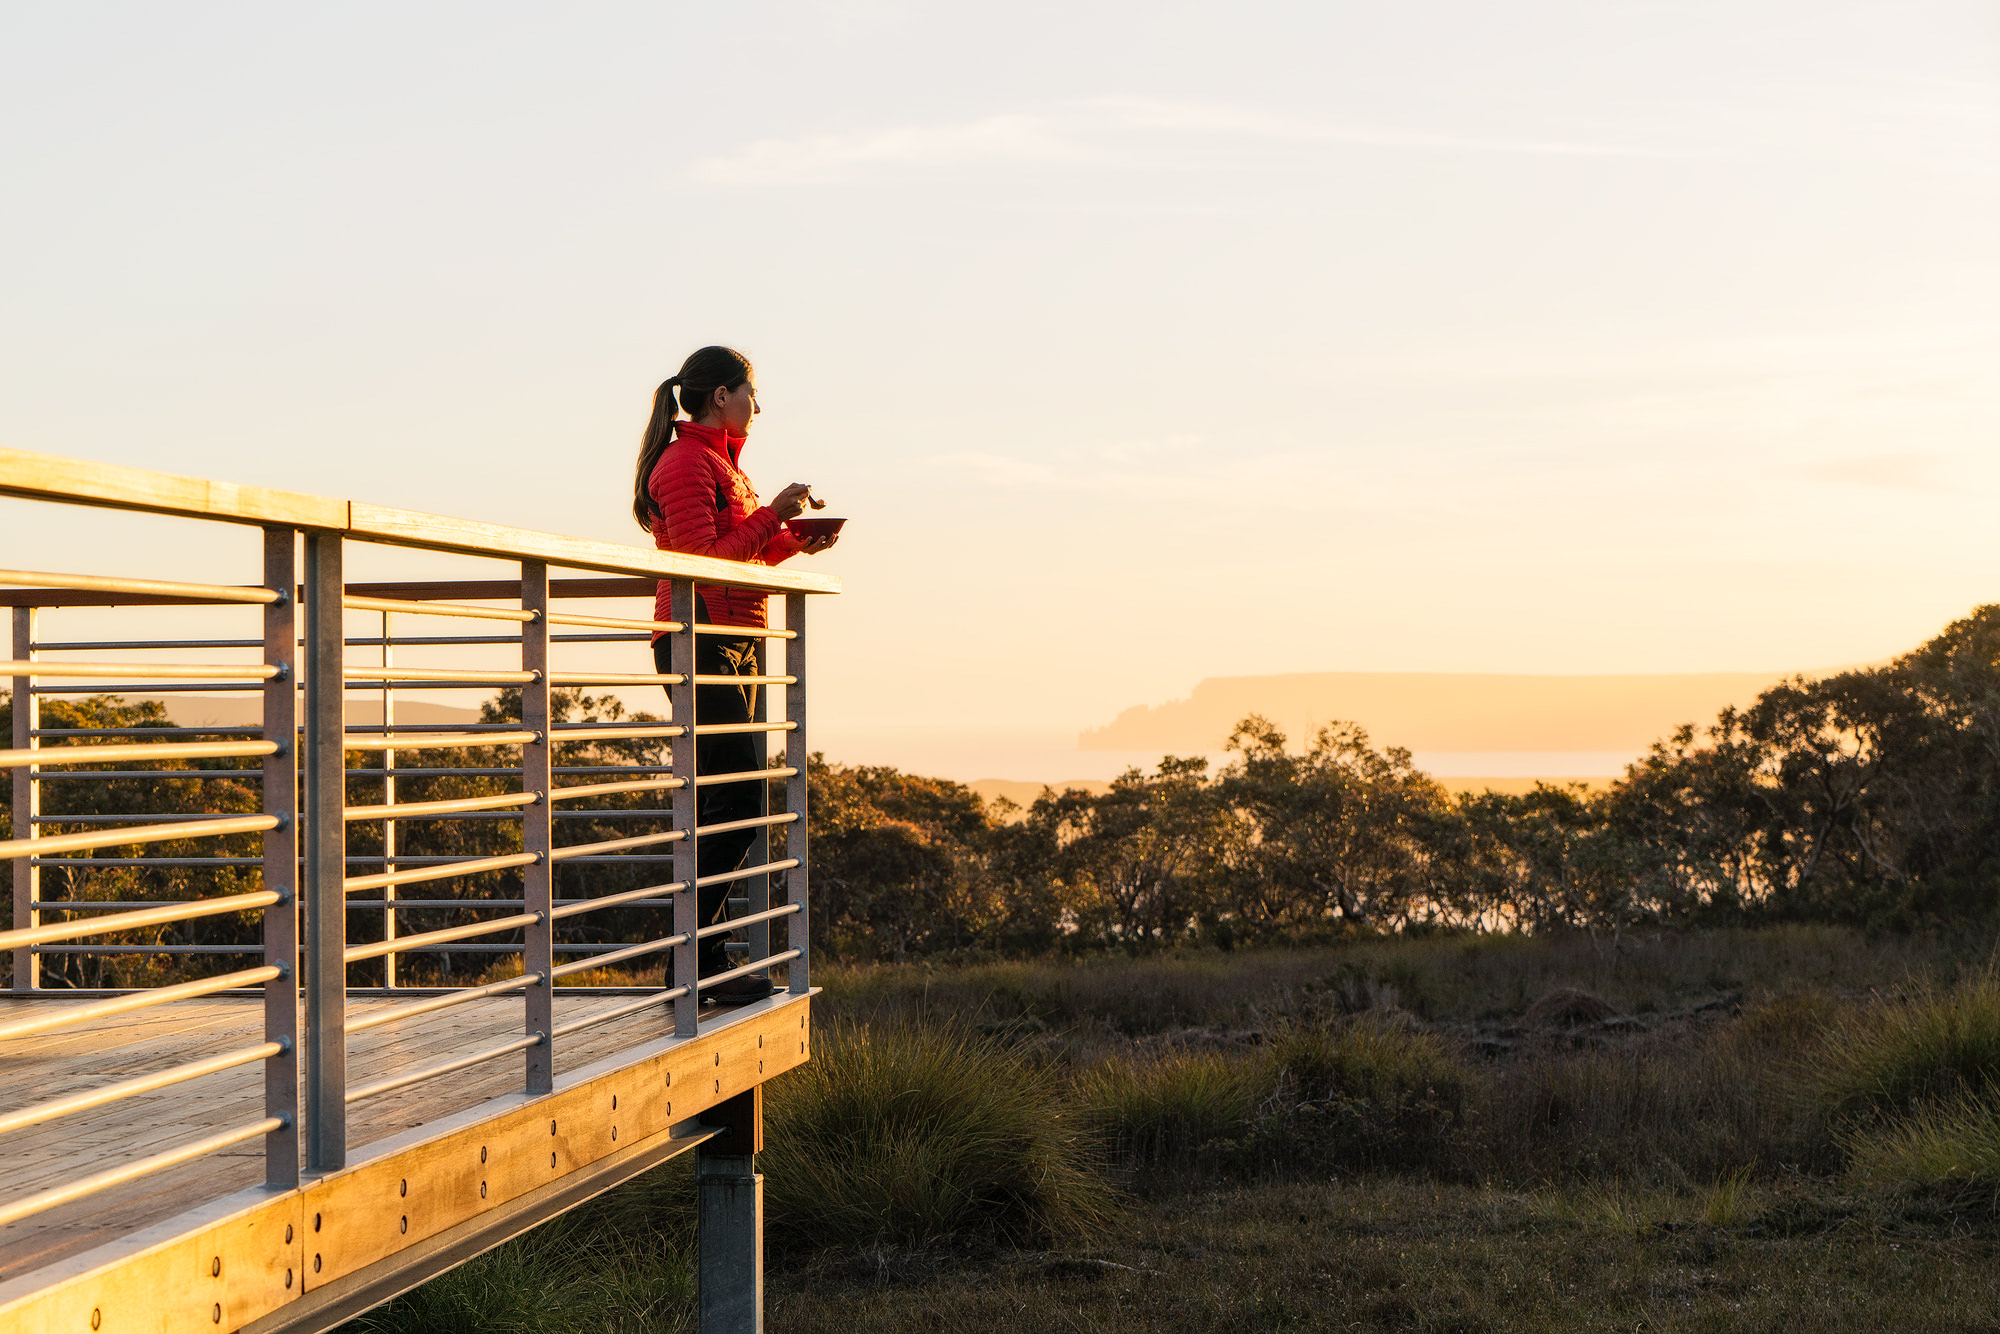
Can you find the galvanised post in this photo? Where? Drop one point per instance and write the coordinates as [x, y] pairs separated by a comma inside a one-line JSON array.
[[798, 928], [537, 826], [326, 857], [27, 803], [687, 914], [388, 798], [281, 855]]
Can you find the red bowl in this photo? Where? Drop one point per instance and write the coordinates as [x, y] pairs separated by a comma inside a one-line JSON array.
[[805, 528]]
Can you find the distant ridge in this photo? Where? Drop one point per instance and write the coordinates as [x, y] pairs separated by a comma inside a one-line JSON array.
[[1440, 711]]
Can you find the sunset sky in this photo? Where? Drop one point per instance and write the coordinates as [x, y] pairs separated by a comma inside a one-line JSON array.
[[1142, 343]]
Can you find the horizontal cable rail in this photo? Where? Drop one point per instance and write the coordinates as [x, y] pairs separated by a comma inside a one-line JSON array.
[[152, 833], [614, 844], [128, 921], [193, 750], [445, 1002], [109, 1093], [118, 1176], [139, 1000], [353, 603], [152, 587], [611, 789], [178, 775], [727, 729], [734, 923], [144, 731], [757, 822], [445, 741], [618, 1011], [356, 953], [409, 810], [611, 622], [145, 671], [609, 957], [451, 674], [470, 866], [577, 908], [380, 1087], [744, 970], [745, 631], [748, 776], [744, 873]]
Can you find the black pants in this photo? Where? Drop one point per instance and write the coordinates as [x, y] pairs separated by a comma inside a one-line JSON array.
[[732, 752]]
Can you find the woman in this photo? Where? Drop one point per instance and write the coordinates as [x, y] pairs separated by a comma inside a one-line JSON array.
[[691, 494]]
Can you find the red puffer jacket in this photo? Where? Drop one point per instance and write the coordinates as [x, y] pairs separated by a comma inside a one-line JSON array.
[[708, 508]]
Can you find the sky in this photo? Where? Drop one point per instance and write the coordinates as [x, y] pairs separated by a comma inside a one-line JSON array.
[[1141, 343]]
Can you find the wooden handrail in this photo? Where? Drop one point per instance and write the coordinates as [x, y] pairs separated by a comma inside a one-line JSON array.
[[114, 486]]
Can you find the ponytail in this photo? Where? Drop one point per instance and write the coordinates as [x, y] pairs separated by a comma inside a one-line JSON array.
[[659, 434], [705, 371]]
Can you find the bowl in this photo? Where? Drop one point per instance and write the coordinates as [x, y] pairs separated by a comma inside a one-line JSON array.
[[805, 528]]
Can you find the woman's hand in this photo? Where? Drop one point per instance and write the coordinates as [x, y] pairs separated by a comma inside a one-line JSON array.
[[791, 501], [812, 546]]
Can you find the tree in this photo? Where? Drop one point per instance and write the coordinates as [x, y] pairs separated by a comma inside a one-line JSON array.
[[1341, 831]]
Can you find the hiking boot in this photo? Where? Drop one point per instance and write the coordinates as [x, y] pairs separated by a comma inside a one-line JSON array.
[[740, 990]]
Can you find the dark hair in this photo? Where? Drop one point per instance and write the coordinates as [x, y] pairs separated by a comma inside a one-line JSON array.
[[705, 371]]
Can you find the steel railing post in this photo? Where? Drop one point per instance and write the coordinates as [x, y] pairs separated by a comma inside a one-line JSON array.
[[388, 799], [798, 927], [281, 856], [757, 889], [27, 803], [538, 826], [326, 857], [687, 913]]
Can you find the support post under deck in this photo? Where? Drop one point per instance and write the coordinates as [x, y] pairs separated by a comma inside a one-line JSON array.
[[729, 1218]]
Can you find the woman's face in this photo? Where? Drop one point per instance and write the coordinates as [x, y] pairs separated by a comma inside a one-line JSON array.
[[735, 407]]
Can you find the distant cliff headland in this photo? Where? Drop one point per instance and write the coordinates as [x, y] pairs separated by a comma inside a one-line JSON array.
[[1440, 711]]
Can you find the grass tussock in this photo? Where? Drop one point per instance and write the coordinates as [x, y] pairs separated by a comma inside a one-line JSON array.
[[1362, 1096], [1165, 1113], [1902, 1057], [896, 1134], [1953, 1149], [1353, 1096]]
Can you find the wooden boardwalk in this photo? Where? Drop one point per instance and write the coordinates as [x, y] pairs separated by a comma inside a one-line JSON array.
[[70, 1061]]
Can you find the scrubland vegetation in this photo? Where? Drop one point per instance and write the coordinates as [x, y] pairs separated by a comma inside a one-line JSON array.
[[1751, 1128]]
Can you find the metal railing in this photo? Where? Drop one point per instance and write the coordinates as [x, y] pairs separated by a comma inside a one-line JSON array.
[[540, 798]]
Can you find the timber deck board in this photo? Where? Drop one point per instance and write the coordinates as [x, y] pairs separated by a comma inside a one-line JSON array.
[[65, 1062]]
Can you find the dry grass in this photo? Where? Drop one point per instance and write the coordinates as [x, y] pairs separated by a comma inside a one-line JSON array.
[[1379, 1254]]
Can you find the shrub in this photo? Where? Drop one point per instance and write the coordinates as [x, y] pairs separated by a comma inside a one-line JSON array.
[[1937, 1046], [915, 1135]]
